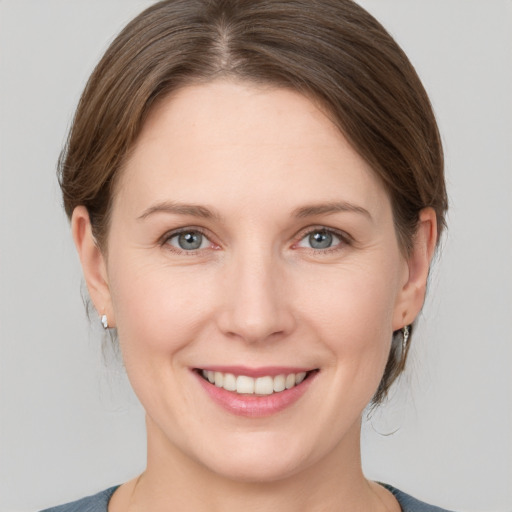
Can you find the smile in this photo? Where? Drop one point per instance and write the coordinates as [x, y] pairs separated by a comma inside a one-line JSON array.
[[245, 385], [262, 393]]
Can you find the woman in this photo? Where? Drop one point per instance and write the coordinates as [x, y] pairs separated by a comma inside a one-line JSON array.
[[256, 192]]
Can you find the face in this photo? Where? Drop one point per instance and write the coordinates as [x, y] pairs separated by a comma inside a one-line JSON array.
[[252, 247]]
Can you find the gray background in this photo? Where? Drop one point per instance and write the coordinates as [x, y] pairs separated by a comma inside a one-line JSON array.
[[69, 425]]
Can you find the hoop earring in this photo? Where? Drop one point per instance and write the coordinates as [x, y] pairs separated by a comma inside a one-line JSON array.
[[405, 338], [104, 321]]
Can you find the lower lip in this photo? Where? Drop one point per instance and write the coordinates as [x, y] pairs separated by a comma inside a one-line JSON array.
[[255, 406]]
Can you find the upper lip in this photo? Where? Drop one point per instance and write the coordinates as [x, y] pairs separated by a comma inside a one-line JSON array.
[[260, 371]]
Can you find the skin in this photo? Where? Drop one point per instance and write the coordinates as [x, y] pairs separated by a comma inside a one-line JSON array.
[[255, 294]]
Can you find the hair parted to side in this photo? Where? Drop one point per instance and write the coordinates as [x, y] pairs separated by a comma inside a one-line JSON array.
[[332, 51]]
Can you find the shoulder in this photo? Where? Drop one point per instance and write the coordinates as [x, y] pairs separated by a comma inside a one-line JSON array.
[[410, 504], [96, 503]]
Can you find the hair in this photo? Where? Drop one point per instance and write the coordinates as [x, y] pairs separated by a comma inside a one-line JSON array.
[[331, 51]]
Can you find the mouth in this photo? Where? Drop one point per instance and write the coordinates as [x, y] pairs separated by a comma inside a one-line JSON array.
[[263, 385], [262, 393]]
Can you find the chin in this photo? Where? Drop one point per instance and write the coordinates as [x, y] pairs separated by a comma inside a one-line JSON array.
[[257, 469], [261, 457]]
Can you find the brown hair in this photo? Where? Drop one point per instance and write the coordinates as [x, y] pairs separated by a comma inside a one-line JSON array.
[[330, 50]]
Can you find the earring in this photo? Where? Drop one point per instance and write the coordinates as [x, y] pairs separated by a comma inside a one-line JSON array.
[[104, 321], [405, 338]]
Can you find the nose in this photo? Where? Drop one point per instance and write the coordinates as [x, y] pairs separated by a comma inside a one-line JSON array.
[[256, 299]]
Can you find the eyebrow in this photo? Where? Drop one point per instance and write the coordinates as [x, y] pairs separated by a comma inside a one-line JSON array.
[[328, 208], [196, 210], [171, 207]]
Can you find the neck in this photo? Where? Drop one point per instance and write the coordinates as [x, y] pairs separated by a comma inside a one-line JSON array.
[[175, 481]]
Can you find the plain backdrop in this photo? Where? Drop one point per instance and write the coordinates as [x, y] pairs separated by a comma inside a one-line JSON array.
[[69, 424]]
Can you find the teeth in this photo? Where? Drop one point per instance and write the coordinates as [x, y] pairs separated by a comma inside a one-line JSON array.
[[219, 379], [245, 385], [279, 383], [300, 377], [264, 386], [229, 382]]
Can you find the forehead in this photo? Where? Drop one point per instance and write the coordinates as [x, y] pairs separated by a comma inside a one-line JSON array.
[[248, 142]]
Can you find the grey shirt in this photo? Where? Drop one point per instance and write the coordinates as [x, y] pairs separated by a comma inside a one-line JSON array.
[[99, 503]]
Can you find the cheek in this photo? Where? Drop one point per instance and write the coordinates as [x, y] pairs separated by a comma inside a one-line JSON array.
[[157, 309], [355, 305], [352, 316]]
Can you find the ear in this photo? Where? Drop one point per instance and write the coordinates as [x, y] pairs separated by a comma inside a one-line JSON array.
[[93, 263], [412, 293]]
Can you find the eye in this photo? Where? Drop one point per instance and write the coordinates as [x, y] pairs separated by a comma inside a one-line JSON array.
[[320, 239], [188, 240]]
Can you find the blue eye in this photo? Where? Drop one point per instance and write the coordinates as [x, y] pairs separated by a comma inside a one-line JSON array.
[[190, 240], [320, 239]]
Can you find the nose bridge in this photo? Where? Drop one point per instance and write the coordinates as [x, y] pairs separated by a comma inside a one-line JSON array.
[[257, 304]]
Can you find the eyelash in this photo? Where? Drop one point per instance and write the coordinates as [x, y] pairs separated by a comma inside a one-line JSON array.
[[164, 241], [345, 239]]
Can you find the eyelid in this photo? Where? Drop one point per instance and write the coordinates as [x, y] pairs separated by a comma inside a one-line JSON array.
[[164, 239], [345, 238]]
